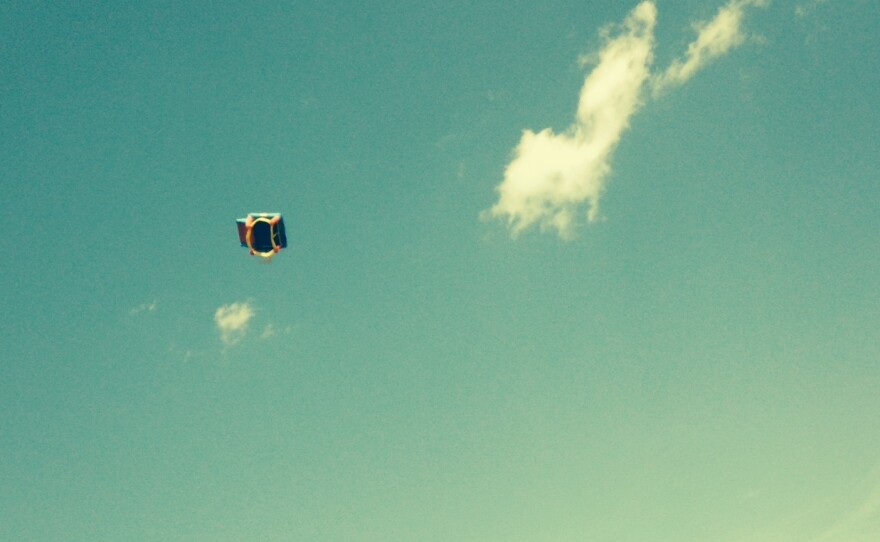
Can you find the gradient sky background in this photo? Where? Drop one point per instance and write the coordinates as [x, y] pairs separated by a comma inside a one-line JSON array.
[[449, 350]]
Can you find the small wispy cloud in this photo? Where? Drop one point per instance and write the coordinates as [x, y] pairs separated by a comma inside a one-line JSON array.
[[553, 177], [805, 8], [714, 39], [232, 321], [144, 307]]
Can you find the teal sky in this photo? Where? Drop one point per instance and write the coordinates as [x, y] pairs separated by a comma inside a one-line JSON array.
[[558, 271]]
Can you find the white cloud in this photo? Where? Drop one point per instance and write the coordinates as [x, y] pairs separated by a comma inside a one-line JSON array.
[[714, 38], [144, 307], [552, 175], [232, 321]]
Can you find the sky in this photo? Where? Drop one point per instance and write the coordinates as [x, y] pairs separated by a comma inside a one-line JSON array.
[[557, 271]]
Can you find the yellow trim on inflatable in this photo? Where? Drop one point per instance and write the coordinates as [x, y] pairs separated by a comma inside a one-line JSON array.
[[249, 238]]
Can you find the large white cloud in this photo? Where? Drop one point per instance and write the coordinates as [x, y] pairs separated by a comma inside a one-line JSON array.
[[232, 321], [552, 177]]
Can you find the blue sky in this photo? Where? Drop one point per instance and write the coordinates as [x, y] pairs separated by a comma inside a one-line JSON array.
[[557, 271]]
